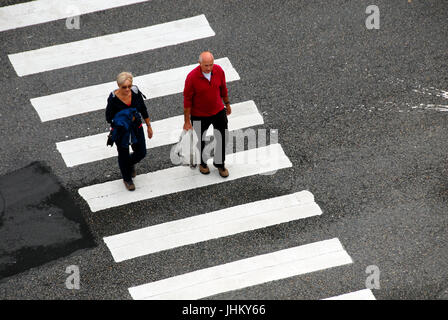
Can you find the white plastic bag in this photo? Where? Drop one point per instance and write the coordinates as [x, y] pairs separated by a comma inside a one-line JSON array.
[[185, 151]]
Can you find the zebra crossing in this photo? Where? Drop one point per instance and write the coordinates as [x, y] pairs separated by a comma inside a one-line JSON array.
[[36, 12], [180, 178], [212, 225], [248, 272], [111, 46], [365, 294], [311, 257]]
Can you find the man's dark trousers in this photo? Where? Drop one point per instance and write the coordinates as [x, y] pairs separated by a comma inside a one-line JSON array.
[[219, 122]]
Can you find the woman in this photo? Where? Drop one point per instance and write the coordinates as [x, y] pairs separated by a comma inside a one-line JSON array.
[[127, 101]]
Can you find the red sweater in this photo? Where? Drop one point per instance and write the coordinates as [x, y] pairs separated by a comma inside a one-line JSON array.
[[202, 96]]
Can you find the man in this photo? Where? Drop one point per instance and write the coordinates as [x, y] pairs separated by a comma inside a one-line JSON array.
[[204, 92]]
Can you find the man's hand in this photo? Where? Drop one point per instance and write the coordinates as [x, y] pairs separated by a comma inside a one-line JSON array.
[[149, 132], [187, 126], [228, 109]]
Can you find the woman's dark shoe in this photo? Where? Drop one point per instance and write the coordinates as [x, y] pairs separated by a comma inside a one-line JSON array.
[[129, 185]]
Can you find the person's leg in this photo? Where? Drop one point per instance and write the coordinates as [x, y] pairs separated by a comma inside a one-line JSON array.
[[200, 126], [221, 137], [124, 163]]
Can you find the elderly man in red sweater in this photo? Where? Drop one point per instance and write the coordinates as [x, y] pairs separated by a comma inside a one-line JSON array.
[[204, 92]]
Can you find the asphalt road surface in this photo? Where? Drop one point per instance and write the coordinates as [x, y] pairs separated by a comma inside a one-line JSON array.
[[359, 113]]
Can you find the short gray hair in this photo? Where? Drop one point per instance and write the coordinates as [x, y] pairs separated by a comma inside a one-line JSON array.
[[122, 77]]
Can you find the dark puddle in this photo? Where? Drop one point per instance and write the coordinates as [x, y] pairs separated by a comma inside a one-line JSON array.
[[39, 221]]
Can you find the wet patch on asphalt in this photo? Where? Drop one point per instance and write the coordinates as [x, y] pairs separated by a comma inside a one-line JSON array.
[[39, 221]]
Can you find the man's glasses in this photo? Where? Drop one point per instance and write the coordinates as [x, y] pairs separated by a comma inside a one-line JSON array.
[[126, 87]]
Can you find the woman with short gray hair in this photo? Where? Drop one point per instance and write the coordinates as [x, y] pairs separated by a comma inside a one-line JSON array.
[[122, 77], [125, 107]]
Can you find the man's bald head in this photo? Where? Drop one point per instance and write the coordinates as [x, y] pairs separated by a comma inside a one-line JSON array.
[[206, 60], [206, 56]]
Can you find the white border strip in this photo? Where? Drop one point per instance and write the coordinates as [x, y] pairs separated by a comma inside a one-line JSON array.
[[212, 225], [111, 46], [35, 12], [167, 131], [247, 272], [87, 99], [181, 178]]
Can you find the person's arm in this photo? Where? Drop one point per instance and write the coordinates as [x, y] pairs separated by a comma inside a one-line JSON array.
[[187, 121], [228, 108], [225, 94], [144, 112], [148, 124], [188, 103], [110, 112]]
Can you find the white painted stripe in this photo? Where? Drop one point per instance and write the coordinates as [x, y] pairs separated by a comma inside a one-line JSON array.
[[35, 12], [365, 294], [111, 46], [181, 178], [212, 225], [166, 131], [247, 272], [153, 85]]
